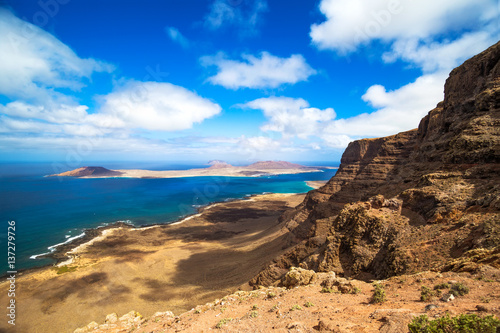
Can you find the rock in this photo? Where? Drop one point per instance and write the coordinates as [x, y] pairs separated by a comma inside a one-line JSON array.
[[341, 284], [166, 314], [447, 298], [483, 308], [92, 325], [298, 277], [111, 318], [131, 317], [326, 325], [430, 307], [81, 330]]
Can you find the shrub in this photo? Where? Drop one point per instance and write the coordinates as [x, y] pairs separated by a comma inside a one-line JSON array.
[[379, 294], [459, 289], [255, 307], [271, 294], [308, 304], [427, 294], [223, 322], [465, 323], [442, 286], [356, 290], [327, 291], [295, 307], [254, 314]]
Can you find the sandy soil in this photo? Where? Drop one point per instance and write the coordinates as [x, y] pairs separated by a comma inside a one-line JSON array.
[[316, 183], [171, 267], [308, 309]]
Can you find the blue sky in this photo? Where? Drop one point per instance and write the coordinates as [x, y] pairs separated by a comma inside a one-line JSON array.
[[236, 80]]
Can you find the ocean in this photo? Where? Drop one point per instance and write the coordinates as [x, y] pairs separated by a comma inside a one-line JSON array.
[[52, 210]]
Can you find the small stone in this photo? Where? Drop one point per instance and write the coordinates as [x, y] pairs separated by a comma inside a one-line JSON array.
[[482, 308], [92, 325], [111, 318], [431, 307]]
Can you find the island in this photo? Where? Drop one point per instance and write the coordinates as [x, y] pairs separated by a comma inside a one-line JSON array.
[[217, 168]]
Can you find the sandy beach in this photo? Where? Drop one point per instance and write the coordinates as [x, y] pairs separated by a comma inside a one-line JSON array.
[[159, 268]]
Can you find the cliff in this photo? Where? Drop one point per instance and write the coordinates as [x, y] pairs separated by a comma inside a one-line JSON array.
[[414, 201]]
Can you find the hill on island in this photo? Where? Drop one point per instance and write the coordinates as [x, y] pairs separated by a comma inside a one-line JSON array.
[[90, 171]]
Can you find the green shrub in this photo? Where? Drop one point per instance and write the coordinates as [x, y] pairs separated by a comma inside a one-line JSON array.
[[271, 294], [459, 289], [254, 314], [295, 307], [442, 286], [328, 291], [379, 294], [308, 304], [255, 307], [465, 323], [427, 294], [356, 290], [223, 322]]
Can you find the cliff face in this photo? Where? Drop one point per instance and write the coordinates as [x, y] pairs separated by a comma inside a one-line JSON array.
[[412, 201]]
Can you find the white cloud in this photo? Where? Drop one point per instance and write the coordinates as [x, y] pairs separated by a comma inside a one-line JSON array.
[[398, 110], [350, 23], [176, 36], [291, 117], [33, 62], [438, 56], [156, 106], [268, 71], [258, 144], [243, 14]]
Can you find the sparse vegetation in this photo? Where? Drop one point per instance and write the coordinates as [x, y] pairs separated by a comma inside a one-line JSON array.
[[223, 322], [485, 299], [308, 304], [441, 286], [271, 294], [355, 290], [255, 307], [464, 323], [197, 311], [65, 269], [328, 291], [223, 309], [379, 294], [295, 307], [275, 307], [427, 294], [459, 289], [254, 314]]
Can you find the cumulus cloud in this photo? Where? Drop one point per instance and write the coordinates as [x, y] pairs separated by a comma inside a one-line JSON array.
[[258, 144], [40, 76], [33, 62], [350, 23], [175, 35], [243, 14], [157, 106], [266, 71], [439, 56], [396, 111], [290, 116]]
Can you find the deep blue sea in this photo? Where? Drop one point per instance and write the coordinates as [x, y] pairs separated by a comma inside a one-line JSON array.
[[51, 210]]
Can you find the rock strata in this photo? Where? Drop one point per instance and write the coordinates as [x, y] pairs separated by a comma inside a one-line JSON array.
[[413, 201]]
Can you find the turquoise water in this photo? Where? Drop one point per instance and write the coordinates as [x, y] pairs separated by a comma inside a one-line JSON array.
[[52, 210]]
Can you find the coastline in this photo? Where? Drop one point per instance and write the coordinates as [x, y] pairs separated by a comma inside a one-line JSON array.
[[174, 266]]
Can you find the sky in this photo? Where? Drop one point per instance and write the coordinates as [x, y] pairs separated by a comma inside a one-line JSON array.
[[233, 80]]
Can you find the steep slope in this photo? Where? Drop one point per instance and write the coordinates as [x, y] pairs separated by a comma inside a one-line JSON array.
[[411, 201]]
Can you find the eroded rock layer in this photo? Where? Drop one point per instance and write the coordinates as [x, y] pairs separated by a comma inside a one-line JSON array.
[[413, 201]]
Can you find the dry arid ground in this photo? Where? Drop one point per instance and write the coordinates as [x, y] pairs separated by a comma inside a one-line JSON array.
[[172, 267], [308, 309]]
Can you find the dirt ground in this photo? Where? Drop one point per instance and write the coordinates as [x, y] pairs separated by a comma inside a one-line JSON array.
[[162, 268]]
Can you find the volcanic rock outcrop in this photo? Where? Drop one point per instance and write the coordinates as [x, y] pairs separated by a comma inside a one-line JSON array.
[[414, 201]]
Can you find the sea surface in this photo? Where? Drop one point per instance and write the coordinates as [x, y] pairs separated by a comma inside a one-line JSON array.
[[52, 210]]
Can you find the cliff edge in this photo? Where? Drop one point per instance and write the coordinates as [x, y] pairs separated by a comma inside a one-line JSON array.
[[410, 202]]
